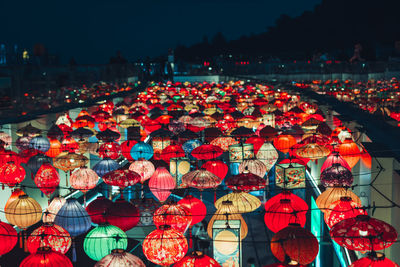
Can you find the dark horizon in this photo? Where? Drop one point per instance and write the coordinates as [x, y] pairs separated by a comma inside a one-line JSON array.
[[92, 31]]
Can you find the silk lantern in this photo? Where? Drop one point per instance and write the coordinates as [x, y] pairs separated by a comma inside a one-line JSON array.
[[47, 179], [142, 150], [243, 202], [110, 150], [374, 259], [97, 209], [144, 168], [161, 183], [334, 157], [122, 214], [175, 215], [254, 166], [217, 167], [268, 155], [45, 257], [105, 166], [350, 152], [342, 209], [11, 174], [14, 195], [336, 175], [120, 258], [23, 212], [83, 179], [49, 235], [55, 148], [332, 194], [51, 211], [284, 142], [8, 238]]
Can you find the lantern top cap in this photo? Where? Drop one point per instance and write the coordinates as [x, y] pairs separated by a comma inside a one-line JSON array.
[[165, 227], [48, 224], [285, 201], [346, 199], [45, 249], [23, 196], [117, 251], [363, 218], [376, 256], [227, 202], [295, 224]]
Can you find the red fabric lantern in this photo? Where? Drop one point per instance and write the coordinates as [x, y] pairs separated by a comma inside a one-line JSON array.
[[334, 157], [196, 207], [217, 167], [295, 243], [280, 214], [172, 151], [45, 257], [8, 238], [350, 152], [245, 181], [123, 214], [342, 209], [144, 168], [110, 150], [83, 179], [201, 179], [284, 142], [374, 260], [161, 183], [175, 215], [11, 174], [55, 148], [126, 148], [207, 152], [97, 209], [49, 235], [363, 233], [121, 178], [47, 179], [197, 259], [69, 144], [256, 141], [165, 246]]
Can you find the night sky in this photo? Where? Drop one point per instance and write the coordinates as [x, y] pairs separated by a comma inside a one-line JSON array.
[[93, 30]]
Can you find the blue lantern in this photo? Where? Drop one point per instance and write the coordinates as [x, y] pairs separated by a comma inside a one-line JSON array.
[[104, 166], [189, 146], [40, 143], [142, 150]]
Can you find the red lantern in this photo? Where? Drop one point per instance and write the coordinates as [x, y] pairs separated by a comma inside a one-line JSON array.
[[257, 142], [47, 179], [197, 259], [342, 209], [165, 246], [121, 178], [363, 233], [122, 214], [207, 152], [45, 257], [245, 181], [8, 238], [110, 150], [350, 152], [196, 207], [334, 157], [97, 209], [217, 167], [161, 183], [172, 151], [374, 260], [55, 148], [175, 215], [69, 144], [83, 179], [294, 243], [284, 142], [144, 168], [11, 174], [49, 235], [126, 148]]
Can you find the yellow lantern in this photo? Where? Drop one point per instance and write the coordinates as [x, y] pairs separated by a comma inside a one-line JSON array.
[[242, 201], [23, 212], [333, 194]]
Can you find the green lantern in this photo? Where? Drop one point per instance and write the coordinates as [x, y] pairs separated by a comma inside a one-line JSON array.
[[103, 239]]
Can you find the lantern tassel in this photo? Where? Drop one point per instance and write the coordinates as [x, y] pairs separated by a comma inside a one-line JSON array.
[[25, 242], [190, 237], [84, 200], [21, 241], [73, 252]]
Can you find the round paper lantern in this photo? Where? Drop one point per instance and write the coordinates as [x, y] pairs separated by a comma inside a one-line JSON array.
[[142, 150], [23, 212], [120, 258], [295, 243], [284, 212], [201, 179], [242, 201], [332, 194], [226, 212], [11, 174], [144, 168], [47, 179], [165, 246], [172, 151], [69, 145], [51, 211], [175, 215], [333, 158], [73, 218], [268, 155], [45, 257], [97, 209], [342, 209], [104, 166], [284, 142], [14, 195], [40, 143], [350, 152], [110, 150], [49, 235], [217, 167], [8, 238], [83, 179], [197, 259], [374, 259], [207, 151], [196, 208], [312, 151], [126, 148], [336, 175], [161, 183], [225, 242], [363, 233], [68, 161], [121, 178], [122, 214], [55, 148], [100, 241], [245, 181], [254, 166]]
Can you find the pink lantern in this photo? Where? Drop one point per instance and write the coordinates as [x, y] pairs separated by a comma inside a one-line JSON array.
[[161, 183]]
